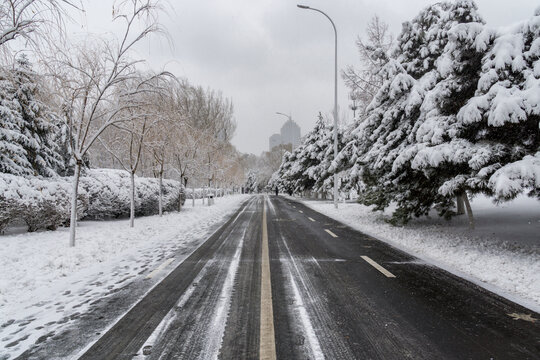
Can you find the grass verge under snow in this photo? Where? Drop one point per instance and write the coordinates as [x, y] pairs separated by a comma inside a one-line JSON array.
[[33, 261], [502, 253]]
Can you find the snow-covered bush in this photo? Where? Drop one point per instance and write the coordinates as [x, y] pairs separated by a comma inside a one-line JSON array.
[[204, 192], [109, 194], [40, 203], [44, 203]]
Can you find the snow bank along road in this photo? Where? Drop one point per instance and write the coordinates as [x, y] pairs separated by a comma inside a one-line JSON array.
[[280, 280]]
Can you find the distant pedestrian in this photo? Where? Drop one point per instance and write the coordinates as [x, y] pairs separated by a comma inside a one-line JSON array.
[[277, 191]]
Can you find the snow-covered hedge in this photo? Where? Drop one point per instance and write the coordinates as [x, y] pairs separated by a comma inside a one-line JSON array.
[[103, 193], [109, 194], [40, 203], [200, 192]]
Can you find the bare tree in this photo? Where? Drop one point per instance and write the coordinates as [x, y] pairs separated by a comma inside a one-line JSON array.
[[160, 138], [124, 139], [88, 77], [33, 21], [366, 81]]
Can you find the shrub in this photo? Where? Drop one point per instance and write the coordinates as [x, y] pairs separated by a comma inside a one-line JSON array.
[[103, 193]]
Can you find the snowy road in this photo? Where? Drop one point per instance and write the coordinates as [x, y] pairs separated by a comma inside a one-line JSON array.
[[334, 293]]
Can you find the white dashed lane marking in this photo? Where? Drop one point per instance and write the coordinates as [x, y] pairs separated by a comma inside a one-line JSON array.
[[311, 219], [378, 267], [331, 233]]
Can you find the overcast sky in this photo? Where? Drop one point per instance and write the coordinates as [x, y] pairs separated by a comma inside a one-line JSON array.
[[268, 55]]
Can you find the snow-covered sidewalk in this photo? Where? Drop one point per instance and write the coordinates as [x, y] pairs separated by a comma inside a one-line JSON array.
[[43, 280], [501, 254]]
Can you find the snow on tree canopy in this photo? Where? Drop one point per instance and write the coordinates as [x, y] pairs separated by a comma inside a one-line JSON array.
[[510, 180], [416, 148], [26, 134]]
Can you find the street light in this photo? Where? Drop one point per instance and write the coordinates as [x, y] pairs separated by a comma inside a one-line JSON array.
[[335, 98], [288, 116], [282, 145]]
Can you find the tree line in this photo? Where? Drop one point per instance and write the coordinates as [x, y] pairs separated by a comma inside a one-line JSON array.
[[447, 110], [93, 101]]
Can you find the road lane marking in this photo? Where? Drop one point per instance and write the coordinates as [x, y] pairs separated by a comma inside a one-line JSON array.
[[311, 219], [331, 233], [378, 267], [300, 211], [267, 348], [525, 317], [159, 268]]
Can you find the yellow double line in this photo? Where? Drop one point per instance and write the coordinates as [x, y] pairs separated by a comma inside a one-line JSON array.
[[267, 347]]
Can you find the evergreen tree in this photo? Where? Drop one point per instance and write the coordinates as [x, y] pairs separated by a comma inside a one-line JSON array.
[[27, 133], [504, 114], [411, 96], [251, 185], [13, 155], [431, 155]]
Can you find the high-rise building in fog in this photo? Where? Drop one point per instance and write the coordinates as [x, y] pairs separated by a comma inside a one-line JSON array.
[[289, 134]]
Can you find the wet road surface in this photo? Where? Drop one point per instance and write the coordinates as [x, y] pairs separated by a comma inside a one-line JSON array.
[[280, 280]]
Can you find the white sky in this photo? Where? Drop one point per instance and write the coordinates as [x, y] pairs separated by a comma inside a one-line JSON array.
[[268, 55]]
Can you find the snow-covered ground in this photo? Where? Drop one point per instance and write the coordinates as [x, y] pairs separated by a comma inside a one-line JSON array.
[[44, 282], [501, 254]]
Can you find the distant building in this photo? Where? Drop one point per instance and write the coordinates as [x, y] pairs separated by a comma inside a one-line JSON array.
[[275, 140], [289, 134]]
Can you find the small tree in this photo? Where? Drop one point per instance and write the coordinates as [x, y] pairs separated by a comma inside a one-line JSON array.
[[87, 76], [364, 82], [125, 140]]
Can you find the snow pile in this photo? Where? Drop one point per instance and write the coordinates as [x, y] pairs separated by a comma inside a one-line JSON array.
[[44, 203], [501, 254]]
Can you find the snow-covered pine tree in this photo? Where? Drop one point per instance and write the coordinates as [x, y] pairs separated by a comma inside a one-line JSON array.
[[432, 146], [251, 185], [13, 156], [27, 133], [278, 178], [385, 141], [289, 176], [322, 172], [310, 155], [504, 114]]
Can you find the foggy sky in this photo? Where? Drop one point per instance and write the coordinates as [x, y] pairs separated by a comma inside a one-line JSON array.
[[268, 55]]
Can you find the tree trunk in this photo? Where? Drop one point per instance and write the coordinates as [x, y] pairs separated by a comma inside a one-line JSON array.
[[74, 194], [193, 195], [460, 204], [161, 193], [180, 197], [132, 200], [469, 210]]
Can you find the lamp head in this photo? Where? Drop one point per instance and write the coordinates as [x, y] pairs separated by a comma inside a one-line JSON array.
[[302, 6]]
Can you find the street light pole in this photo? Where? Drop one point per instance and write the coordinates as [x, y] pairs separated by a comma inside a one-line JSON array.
[[288, 116], [282, 145], [305, 7]]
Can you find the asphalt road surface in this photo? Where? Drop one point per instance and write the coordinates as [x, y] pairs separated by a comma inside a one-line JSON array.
[[280, 280]]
